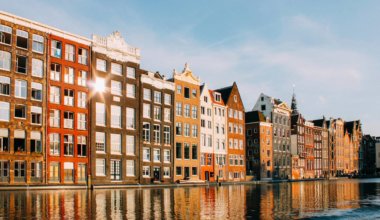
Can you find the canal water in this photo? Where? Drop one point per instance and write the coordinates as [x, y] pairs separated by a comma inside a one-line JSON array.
[[342, 199]]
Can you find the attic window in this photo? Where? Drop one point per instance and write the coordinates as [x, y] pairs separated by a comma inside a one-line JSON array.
[[262, 98], [205, 99], [194, 93], [235, 98], [263, 108], [217, 97]]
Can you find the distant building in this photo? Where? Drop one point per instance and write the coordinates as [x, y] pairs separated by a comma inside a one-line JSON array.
[[367, 155], [378, 155], [259, 145], [279, 114], [321, 144]]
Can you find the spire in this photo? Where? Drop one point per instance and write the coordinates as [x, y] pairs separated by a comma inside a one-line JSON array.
[[294, 103]]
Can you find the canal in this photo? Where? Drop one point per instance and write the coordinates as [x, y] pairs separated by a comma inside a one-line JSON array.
[[315, 199]]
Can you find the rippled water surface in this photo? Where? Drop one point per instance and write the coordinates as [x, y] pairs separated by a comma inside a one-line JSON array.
[[344, 199]]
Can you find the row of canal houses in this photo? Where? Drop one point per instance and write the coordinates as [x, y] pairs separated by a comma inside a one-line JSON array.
[[82, 111]]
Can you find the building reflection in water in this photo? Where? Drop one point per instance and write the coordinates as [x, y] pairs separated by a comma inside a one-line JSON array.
[[265, 201]]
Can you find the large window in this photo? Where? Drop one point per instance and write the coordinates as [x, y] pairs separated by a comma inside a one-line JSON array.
[[147, 94], [55, 94], [68, 120], [157, 113], [21, 64], [100, 114], [194, 112], [19, 141], [20, 111], [178, 108], [100, 167], [156, 134], [54, 172], [35, 142], [68, 145], [20, 89], [101, 65], [69, 52], [168, 99], [146, 154], [4, 111], [69, 75], [146, 132], [130, 168], [82, 100], [167, 114], [166, 172], [5, 34], [36, 91], [82, 78], [146, 110], [146, 171], [5, 60], [187, 111], [130, 145], [82, 146], [178, 150], [115, 169], [178, 128], [157, 97], [167, 140], [68, 97], [115, 116], [194, 152], [82, 121], [156, 155], [131, 91], [22, 39], [4, 171], [187, 93], [82, 172], [167, 156], [116, 69], [115, 143], [4, 140], [186, 130], [100, 142], [19, 171], [4, 85], [131, 118], [82, 56], [131, 72], [56, 49], [54, 118], [54, 141], [37, 68], [36, 115], [194, 131], [55, 72], [186, 151], [38, 43]]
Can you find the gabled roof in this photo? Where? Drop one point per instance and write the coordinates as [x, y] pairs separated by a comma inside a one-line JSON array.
[[225, 92], [319, 122], [294, 119], [254, 116]]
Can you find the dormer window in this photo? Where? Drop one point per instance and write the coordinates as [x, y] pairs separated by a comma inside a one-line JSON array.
[[217, 97]]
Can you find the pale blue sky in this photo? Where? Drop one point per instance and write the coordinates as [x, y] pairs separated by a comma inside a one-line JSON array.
[[328, 49]]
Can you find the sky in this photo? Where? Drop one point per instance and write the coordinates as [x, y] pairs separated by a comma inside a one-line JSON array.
[[327, 50]]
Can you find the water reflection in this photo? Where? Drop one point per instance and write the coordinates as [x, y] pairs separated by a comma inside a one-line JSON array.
[[266, 201]]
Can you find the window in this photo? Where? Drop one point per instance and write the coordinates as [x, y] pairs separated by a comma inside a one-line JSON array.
[[166, 172], [157, 97], [115, 116], [4, 85], [82, 78], [178, 128], [115, 143], [21, 64], [68, 120], [100, 167], [187, 111], [168, 99], [146, 154], [82, 121], [131, 91], [82, 56], [167, 156], [19, 171], [130, 145], [37, 68], [263, 107], [130, 168], [146, 110], [116, 88], [69, 52], [178, 108], [167, 115], [218, 97], [167, 140], [157, 113], [82, 100], [82, 172], [178, 171], [116, 69], [156, 134], [146, 171], [100, 142], [131, 72], [178, 150], [179, 89], [194, 92], [194, 152], [100, 114], [131, 121], [195, 131], [195, 112], [4, 140], [146, 132], [68, 145], [54, 118], [55, 72], [36, 114], [69, 75], [5, 34], [54, 172], [5, 60], [36, 91], [36, 170], [20, 111], [186, 130], [115, 169], [55, 94], [147, 94], [187, 93], [156, 155], [68, 98], [56, 49], [55, 147], [4, 171], [19, 141], [186, 151], [101, 65], [82, 146], [194, 171], [22, 39]]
